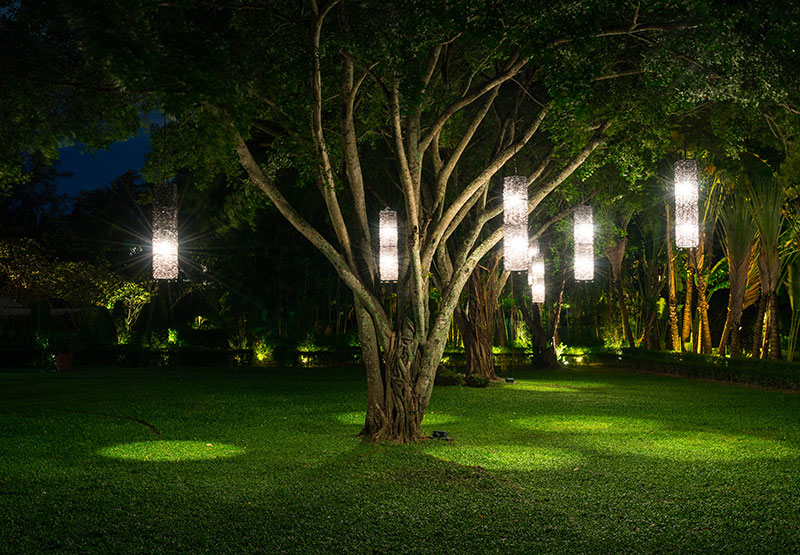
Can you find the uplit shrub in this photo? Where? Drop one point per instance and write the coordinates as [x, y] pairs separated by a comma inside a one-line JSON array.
[[445, 376], [473, 380]]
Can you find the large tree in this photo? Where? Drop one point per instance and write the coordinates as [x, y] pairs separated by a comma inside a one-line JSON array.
[[419, 105]]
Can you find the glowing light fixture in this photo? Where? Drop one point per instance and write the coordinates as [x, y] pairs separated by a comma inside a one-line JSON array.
[[515, 223], [536, 273], [583, 233], [388, 264], [686, 212], [165, 231]]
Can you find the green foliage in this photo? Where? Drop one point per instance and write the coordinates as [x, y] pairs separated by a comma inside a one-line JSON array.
[[473, 380], [156, 327], [127, 299], [445, 376], [764, 372]]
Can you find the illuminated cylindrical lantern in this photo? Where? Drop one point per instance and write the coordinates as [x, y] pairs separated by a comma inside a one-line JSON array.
[[686, 212], [165, 231], [536, 273], [583, 233], [387, 236], [515, 223]]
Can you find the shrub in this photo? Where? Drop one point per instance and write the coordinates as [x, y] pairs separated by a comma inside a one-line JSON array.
[[445, 376], [473, 380], [770, 373]]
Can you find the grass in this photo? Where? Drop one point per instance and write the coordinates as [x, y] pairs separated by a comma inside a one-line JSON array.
[[266, 460]]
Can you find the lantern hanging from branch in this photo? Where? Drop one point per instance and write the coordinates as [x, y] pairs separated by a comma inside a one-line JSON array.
[[686, 211], [515, 223], [536, 273], [583, 233], [387, 236], [165, 231]]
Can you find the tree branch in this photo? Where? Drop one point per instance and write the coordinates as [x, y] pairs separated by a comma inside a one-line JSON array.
[[257, 176], [468, 99]]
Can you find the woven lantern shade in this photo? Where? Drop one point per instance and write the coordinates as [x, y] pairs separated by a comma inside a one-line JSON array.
[[686, 212], [388, 264], [583, 234], [536, 273], [165, 231], [515, 223]]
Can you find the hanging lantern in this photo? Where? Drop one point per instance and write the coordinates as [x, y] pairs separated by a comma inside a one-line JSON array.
[[515, 223], [583, 233], [536, 273], [165, 231], [387, 237], [686, 213]]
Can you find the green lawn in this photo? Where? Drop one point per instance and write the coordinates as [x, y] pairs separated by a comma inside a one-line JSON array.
[[266, 460]]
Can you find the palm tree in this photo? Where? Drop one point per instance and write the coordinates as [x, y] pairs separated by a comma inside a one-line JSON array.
[[700, 262], [766, 199], [739, 237]]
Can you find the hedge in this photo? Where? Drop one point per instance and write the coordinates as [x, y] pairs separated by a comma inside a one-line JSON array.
[[763, 372]]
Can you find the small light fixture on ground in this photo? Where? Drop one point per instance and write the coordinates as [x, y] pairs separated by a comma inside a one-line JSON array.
[[441, 434], [165, 231], [388, 264], [583, 234], [536, 273], [686, 211], [515, 223]]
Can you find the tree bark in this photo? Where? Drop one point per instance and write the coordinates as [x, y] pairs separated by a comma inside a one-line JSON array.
[[704, 331], [774, 329], [675, 338], [736, 346], [543, 346], [686, 330], [370, 355], [759, 326], [726, 330], [477, 322], [557, 314], [615, 254]]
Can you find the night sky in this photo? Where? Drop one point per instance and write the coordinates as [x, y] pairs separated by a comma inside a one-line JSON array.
[[98, 169]]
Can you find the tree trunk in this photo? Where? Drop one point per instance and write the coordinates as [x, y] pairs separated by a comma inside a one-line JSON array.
[[736, 346], [675, 338], [723, 341], [774, 329], [623, 311], [542, 344], [477, 322], [477, 339], [704, 332], [648, 334], [686, 330], [398, 386], [557, 314], [759, 327], [615, 254]]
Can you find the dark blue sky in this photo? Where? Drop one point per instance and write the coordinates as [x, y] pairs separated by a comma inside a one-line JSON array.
[[103, 166]]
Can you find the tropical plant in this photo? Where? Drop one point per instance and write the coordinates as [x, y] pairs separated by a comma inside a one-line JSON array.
[[765, 199], [738, 238]]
